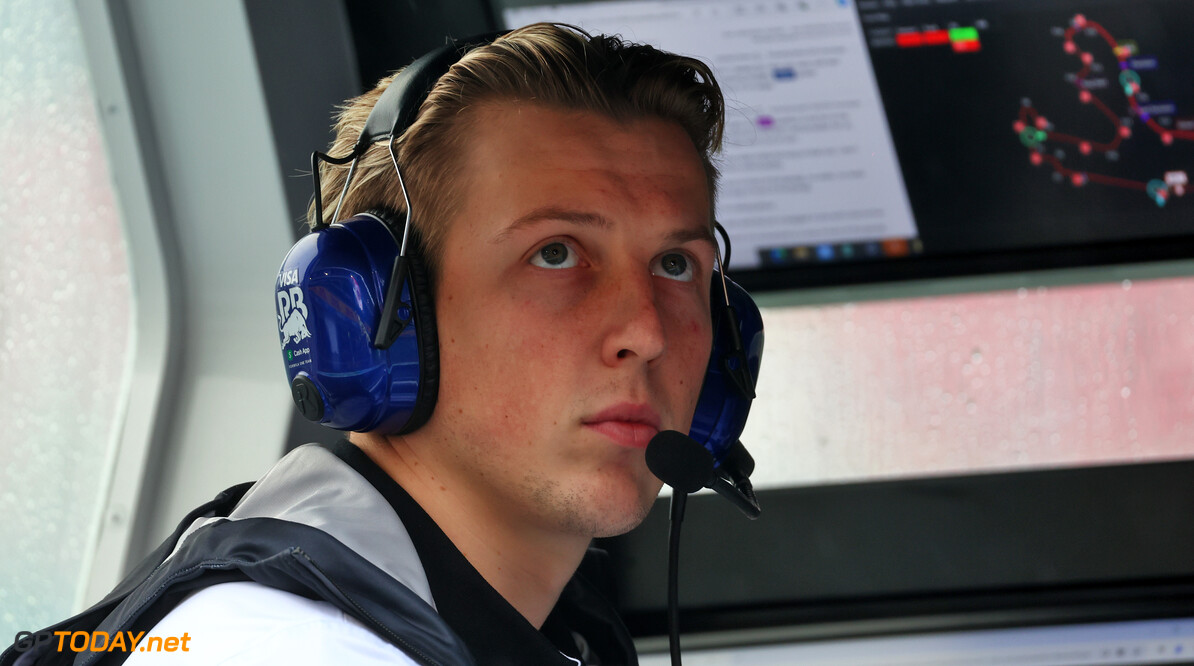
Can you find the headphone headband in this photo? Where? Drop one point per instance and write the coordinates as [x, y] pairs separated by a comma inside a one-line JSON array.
[[396, 108], [394, 111]]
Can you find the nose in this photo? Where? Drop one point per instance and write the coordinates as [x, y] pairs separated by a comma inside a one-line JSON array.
[[634, 329]]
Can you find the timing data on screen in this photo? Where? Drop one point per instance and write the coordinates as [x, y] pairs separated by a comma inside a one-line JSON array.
[[1022, 123]]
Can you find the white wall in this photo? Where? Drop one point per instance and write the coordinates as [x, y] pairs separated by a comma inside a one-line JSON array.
[[193, 154]]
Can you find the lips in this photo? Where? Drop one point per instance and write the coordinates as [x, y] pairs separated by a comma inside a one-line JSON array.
[[628, 424]]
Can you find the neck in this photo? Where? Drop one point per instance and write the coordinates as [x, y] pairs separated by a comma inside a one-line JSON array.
[[528, 564]]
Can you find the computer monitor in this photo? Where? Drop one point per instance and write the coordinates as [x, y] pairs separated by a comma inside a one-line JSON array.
[[876, 140]]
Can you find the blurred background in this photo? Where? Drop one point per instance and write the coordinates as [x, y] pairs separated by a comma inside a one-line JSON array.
[[966, 223]]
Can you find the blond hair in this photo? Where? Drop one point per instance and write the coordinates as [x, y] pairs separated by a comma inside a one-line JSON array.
[[554, 65]]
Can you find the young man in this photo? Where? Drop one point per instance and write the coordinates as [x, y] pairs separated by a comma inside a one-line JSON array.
[[563, 190]]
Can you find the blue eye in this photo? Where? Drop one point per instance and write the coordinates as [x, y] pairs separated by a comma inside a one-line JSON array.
[[674, 266], [554, 255]]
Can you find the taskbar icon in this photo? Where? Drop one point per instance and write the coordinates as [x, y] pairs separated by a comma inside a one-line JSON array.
[[798, 255]]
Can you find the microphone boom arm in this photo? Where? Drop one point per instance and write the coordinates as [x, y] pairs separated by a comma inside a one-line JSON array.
[[738, 491]]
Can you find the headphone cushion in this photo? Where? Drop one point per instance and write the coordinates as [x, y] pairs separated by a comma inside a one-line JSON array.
[[723, 406], [428, 339]]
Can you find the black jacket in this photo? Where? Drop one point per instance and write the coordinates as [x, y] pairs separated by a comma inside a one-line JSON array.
[[361, 559]]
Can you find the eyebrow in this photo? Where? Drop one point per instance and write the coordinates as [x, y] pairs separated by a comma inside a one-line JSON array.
[[589, 219]]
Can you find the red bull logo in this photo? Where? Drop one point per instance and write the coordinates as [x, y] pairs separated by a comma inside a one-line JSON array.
[[292, 316]]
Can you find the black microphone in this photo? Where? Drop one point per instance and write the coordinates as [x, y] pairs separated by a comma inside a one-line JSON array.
[[682, 463]]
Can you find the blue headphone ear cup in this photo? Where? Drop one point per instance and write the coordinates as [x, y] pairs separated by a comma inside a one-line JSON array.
[[724, 404], [338, 377]]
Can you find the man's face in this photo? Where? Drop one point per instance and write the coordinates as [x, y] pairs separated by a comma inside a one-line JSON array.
[[573, 309]]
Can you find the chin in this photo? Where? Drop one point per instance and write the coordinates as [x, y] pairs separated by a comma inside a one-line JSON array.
[[594, 503], [611, 529], [615, 513]]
